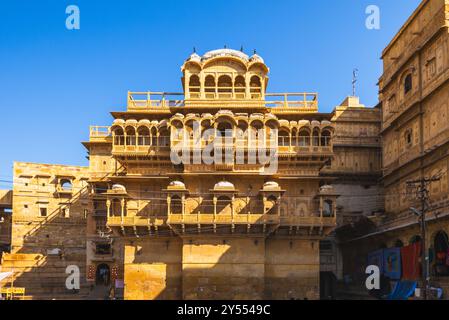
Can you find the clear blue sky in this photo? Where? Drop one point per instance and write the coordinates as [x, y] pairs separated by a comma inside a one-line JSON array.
[[54, 83]]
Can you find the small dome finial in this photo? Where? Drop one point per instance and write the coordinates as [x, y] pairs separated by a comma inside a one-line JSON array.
[[255, 51], [225, 46], [241, 48], [194, 49]]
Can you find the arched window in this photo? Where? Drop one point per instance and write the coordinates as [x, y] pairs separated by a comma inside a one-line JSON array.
[[254, 131], [316, 137], [224, 129], [408, 83], [255, 87], [164, 137], [304, 138], [153, 133], [325, 138], [225, 86], [283, 138], [441, 246], [242, 133], [207, 132], [66, 185], [130, 136], [119, 136], [189, 129], [294, 137], [143, 136], [239, 87], [209, 86], [176, 205], [194, 86], [102, 275], [327, 208]]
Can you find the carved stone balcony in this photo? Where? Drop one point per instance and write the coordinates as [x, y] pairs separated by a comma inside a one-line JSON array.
[[243, 219], [139, 146], [136, 221]]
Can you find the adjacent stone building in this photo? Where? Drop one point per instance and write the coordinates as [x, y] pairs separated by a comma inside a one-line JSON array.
[[414, 98]]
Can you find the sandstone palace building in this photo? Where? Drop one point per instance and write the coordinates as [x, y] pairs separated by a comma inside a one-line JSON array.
[[228, 191]]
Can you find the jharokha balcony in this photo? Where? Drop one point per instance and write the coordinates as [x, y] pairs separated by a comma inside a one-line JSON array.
[[227, 211], [144, 141]]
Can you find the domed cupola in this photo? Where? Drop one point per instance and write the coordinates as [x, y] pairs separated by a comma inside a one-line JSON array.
[[256, 58], [194, 57], [224, 185]]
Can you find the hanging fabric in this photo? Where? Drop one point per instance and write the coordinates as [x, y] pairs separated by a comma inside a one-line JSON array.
[[411, 266]]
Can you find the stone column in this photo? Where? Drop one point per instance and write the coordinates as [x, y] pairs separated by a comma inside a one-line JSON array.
[[183, 206], [321, 208], [215, 207], [108, 207], [168, 205], [122, 212]]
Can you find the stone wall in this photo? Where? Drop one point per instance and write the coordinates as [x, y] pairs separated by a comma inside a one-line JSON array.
[[153, 269], [44, 245], [222, 268], [292, 269]]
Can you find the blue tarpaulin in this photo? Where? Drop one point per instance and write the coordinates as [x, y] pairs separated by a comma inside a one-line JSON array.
[[392, 263], [402, 290]]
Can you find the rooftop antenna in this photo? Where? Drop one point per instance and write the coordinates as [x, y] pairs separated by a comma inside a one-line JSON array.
[[355, 74]]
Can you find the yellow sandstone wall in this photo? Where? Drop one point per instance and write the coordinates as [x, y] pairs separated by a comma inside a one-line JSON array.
[[153, 269], [44, 246], [222, 268], [292, 269]]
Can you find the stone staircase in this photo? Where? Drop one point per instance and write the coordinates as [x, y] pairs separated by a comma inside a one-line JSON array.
[[42, 277]]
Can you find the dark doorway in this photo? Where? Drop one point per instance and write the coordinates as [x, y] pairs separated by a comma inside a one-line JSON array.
[[328, 284], [103, 275]]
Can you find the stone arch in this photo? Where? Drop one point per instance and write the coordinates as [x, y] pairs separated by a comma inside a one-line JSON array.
[[441, 246], [240, 87], [304, 136], [325, 138], [194, 86], [143, 136], [209, 86]]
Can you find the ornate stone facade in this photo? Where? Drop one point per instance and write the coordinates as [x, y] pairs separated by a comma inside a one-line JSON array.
[[222, 191]]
